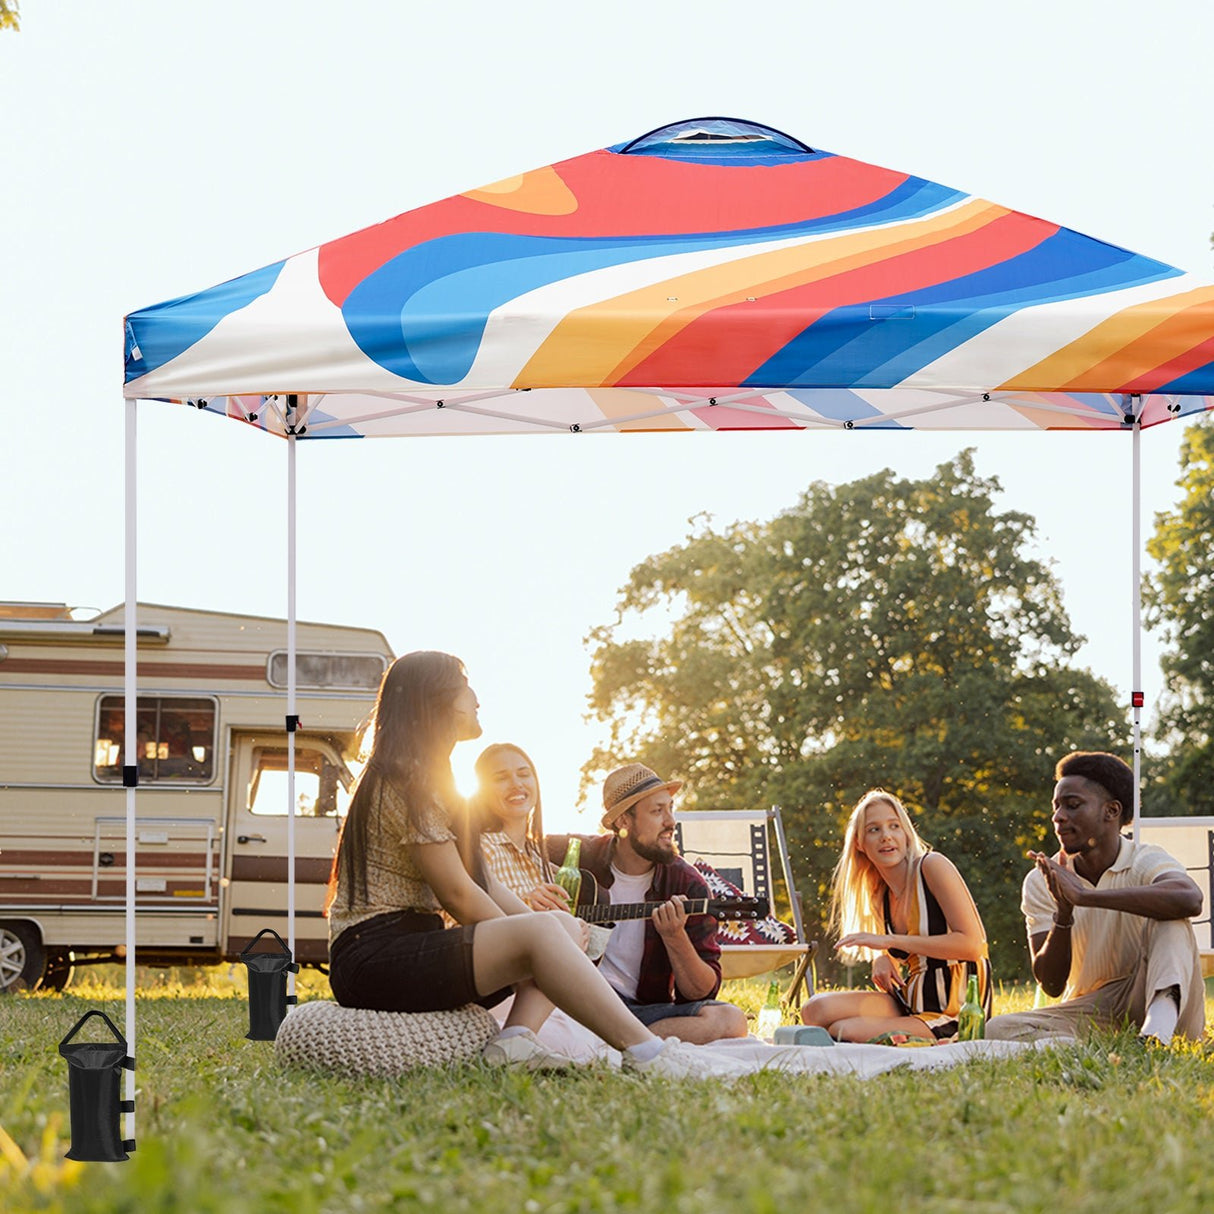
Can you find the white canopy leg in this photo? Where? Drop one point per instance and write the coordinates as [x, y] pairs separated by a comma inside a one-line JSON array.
[[292, 718], [130, 769], [1136, 694]]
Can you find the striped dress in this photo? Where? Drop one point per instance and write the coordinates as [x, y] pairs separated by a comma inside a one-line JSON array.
[[935, 989]]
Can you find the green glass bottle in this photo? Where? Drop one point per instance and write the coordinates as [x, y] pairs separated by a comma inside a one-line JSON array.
[[770, 1014], [569, 875], [971, 1019]]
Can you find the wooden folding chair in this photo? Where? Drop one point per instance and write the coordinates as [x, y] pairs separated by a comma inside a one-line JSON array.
[[1191, 841], [737, 845]]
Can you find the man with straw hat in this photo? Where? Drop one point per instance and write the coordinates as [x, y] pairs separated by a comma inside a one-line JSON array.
[[666, 968]]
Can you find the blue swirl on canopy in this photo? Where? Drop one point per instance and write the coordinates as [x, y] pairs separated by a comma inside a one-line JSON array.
[[422, 315], [850, 345], [157, 335]]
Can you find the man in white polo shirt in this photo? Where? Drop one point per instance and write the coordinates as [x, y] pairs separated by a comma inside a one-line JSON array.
[[1107, 918]]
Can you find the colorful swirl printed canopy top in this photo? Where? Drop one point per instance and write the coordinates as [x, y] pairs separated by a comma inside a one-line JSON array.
[[713, 274]]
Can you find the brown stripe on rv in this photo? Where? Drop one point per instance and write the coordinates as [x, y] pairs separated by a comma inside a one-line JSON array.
[[84, 859], [274, 868], [52, 886], [165, 670], [82, 887]]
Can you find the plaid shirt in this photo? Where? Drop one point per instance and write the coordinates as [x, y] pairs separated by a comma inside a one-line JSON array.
[[655, 983], [519, 870]]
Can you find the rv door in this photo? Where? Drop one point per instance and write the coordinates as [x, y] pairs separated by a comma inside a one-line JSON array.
[[256, 844]]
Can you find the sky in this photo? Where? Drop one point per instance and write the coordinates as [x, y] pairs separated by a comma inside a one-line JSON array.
[[150, 148]]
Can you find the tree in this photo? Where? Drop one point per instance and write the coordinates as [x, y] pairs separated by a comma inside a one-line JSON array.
[[1177, 600], [10, 16], [885, 632]]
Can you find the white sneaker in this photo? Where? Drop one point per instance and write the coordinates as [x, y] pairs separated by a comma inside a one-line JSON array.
[[679, 1060], [527, 1051]]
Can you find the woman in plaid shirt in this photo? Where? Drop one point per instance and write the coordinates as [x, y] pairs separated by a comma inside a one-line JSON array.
[[507, 805]]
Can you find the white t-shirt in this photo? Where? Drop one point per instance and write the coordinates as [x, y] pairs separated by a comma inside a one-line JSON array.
[[621, 963]]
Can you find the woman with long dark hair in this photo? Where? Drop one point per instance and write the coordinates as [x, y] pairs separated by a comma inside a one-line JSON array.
[[406, 853]]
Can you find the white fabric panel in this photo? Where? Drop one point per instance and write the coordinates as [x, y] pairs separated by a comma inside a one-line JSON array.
[[1031, 334]]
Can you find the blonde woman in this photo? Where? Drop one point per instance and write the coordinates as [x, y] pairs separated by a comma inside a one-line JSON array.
[[910, 910]]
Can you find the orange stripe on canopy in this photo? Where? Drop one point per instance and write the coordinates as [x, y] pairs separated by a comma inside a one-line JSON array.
[[541, 192], [584, 348], [1128, 348]]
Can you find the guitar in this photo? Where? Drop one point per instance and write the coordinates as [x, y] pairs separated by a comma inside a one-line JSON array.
[[592, 910]]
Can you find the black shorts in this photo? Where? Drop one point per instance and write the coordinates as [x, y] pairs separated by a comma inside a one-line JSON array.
[[406, 961]]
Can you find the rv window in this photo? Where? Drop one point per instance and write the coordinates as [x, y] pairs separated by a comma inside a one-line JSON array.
[[355, 671], [320, 785], [176, 739]]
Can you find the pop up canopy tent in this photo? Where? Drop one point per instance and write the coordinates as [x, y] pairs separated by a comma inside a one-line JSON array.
[[713, 274]]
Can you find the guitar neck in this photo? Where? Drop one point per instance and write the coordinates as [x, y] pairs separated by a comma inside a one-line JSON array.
[[606, 913]]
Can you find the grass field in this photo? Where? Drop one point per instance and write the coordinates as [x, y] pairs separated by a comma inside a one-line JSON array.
[[1107, 1126]]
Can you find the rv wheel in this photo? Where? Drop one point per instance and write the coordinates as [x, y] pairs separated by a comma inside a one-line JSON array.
[[21, 957]]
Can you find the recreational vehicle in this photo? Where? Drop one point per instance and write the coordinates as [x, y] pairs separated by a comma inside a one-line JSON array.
[[212, 800]]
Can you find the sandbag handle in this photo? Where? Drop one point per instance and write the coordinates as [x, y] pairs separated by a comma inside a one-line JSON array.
[[80, 1023], [248, 948]]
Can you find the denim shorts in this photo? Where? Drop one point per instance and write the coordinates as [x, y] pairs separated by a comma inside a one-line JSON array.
[[406, 961], [651, 1013]]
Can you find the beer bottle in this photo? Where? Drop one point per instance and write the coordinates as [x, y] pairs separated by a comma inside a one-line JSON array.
[[569, 875], [971, 1019], [770, 1014]]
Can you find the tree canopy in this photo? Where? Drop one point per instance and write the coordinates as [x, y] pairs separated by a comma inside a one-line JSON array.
[[1177, 599], [10, 16], [886, 632]]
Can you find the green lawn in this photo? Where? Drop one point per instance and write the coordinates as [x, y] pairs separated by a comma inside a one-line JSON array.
[[221, 1127]]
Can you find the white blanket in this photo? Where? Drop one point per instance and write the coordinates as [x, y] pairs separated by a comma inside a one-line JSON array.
[[862, 1061], [562, 1033]]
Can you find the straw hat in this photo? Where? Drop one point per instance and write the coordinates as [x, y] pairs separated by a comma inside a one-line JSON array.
[[628, 785]]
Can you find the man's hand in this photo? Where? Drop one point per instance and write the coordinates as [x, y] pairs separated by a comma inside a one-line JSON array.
[[670, 918], [1065, 887], [887, 974], [548, 896]]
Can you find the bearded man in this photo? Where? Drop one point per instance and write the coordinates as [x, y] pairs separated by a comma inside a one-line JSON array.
[[666, 967]]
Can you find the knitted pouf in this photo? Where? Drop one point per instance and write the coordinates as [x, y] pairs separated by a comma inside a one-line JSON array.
[[355, 1041]]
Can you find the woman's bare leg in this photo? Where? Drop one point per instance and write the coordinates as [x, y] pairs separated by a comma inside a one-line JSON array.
[[531, 1007], [516, 947], [831, 1006], [861, 1016], [865, 1028]]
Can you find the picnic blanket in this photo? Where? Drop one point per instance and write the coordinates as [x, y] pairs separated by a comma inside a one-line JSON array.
[[860, 1061], [353, 1041]]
